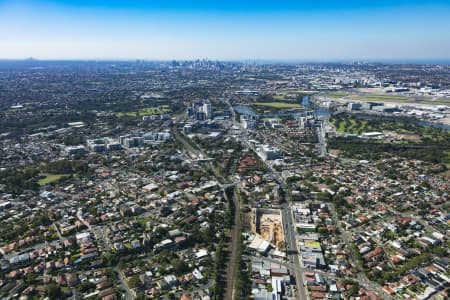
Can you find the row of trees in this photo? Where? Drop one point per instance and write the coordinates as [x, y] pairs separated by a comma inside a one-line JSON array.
[[15, 181], [65, 166], [219, 266], [243, 284]]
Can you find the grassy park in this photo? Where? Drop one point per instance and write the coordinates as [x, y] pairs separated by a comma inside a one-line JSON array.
[[51, 178], [420, 142], [146, 111]]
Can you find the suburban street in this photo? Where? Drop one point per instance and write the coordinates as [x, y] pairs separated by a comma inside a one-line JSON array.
[[361, 277]]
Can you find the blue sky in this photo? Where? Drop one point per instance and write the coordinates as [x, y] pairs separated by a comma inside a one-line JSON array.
[[176, 29]]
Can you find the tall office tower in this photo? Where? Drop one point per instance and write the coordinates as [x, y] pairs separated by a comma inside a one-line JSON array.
[[207, 109]]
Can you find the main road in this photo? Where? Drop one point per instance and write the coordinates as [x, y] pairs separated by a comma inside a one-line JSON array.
[[292, 251], [322, 145], [293, 255]]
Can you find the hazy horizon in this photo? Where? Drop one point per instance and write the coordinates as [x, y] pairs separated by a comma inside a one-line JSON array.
[[225, 30], [445, 61]]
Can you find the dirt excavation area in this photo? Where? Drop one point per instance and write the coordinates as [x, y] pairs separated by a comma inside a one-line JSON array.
[[268, 224]]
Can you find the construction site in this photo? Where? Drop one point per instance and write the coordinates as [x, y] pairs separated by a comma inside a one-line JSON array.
[[268, 224]]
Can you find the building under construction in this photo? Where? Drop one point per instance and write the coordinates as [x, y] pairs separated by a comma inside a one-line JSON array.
[[268, 224]]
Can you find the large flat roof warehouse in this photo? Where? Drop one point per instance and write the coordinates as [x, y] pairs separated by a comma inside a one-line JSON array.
[[76, 124], [214, 135], [83, 235], [373, 134], [259, 244]]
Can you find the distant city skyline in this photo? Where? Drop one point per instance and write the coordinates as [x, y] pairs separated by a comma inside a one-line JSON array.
[[226, 30]]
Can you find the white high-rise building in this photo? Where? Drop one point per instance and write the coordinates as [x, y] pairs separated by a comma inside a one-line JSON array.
[[207, 109]]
